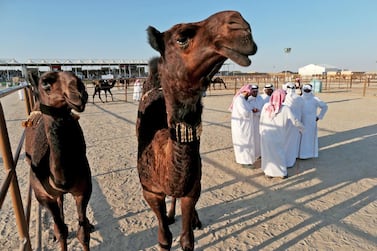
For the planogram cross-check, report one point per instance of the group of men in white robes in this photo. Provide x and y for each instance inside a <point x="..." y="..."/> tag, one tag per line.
<point x="279" y="133"/>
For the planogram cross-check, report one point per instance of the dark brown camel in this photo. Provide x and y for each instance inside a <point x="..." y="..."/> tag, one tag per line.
<point x="219" y="81"/>
<point x="56" y="151"/>
<point x="103" y="85"/>
<point x="169" y="118"/>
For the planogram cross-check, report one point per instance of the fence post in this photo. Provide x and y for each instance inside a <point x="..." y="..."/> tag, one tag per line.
<point x="9" y="165"/>
<point x="125" y="91"/>
<point x="235" y="85"/>
<point x="365" y="87"/>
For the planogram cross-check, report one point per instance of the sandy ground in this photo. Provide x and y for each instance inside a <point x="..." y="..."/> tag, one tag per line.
<point x="327" y="203"/>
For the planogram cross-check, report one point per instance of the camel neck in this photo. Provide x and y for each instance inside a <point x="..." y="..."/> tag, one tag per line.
<point x="53" y="111"/>
<point x="184" y="121"/>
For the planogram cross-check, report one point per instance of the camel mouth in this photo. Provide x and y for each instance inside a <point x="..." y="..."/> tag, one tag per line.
<point x="240" y="58"/>
<point x="77" y="106"/>
<point x="80" y="107"/>
<point x="78" y="102"/>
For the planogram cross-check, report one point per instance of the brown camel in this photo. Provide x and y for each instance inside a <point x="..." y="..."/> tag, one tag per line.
<point x="169" y="118"/>
<point x="103" y="85"/>
<point x="219" y="81"/>
<point x="56" y="151"/>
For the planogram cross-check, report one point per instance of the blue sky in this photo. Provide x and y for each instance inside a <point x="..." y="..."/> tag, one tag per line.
<point x="340" y="33"/>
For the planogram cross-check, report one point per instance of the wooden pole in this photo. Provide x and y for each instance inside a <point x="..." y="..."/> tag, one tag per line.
<point x="6" y="152"/>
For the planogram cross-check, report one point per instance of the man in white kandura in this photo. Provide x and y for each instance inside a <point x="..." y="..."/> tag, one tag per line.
<point x="309" y="138"/>
<point x="137" y="90"/>
<point x="275" y="121"/>
<point x="267" y="91"/>
<point x="256" y="104"/>
<point x="295" y="103"/>
<point x="241" y="127"/>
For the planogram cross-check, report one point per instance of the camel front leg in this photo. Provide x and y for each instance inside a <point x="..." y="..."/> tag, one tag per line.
<point x="99" y="95"/>
<point x="171" y="212"/>
<point x="158" y="205"/>
<point x="60" y="228"/>
<point x="85" y="228"/>
<point x="94" y="94"/>
<point x="188" y="214"/>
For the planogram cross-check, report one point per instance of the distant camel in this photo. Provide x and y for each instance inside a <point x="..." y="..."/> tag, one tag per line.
<point x="169" y="122"/>
<point x="103" y="85"/>
<point x="56" y="151"/>
<point x="219" y="81"/>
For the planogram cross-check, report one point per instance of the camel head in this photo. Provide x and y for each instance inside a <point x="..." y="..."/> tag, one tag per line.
<point x="196" y="51"/>
<point x="61" y="90"/>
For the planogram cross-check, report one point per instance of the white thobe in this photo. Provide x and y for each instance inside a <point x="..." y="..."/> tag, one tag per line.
<point x="137" y="91"/>
<point x="295" y="103"/>
<point x="273" y="139"/>
<point x="309" y="137"/>
<point x="265" y="98"/>
<point x="256" y="103"/>
<point x="241" y="126"/>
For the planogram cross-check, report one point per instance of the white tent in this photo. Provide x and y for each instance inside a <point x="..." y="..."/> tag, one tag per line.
<point x="313" y="69"/>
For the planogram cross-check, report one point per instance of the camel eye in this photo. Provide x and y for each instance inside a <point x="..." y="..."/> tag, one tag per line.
<point x="46" y="86"/>
<point x="183" y="42"/>
<point x="185" y="36"/>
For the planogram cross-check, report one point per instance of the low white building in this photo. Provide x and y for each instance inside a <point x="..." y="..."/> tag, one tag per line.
<point x="314" y="69"/>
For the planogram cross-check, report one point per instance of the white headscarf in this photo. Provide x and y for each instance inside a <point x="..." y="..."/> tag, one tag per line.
<point x="306" y="95"/>
<point x="275" y="103"/>
<point x="244" y="89"/>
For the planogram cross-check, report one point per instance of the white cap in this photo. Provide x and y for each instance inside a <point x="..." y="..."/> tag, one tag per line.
<point x="269" y="86"/>
<point x="290" y="85"/>
<point x="307" y="87"/>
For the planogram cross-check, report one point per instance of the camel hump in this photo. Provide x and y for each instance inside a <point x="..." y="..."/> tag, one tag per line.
<point x="151" y="116"/>
<point x="149" y="98"/>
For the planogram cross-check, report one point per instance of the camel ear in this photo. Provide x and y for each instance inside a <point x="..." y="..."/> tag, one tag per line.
<point x="155" y="39"/>
<point x="48" y="79"/>
<point x="33" y="77"/>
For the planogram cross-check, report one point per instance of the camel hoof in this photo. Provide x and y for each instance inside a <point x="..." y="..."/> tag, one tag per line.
<point x="170" y="220"/>
<point x="187" y="249"/>
<point x="60" y="234"/>
<point x="197" y="225"/>
<point x="164" y="246"/>
<point x="91" y="228"/>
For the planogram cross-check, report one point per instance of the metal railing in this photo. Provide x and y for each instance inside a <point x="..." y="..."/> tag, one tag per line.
<point x="10" y="183"/>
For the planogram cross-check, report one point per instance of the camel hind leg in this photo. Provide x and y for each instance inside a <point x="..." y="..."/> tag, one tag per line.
<point x="158" y="205"/>
<point x="94" y="94"/>
<point x="112" y="99"/>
